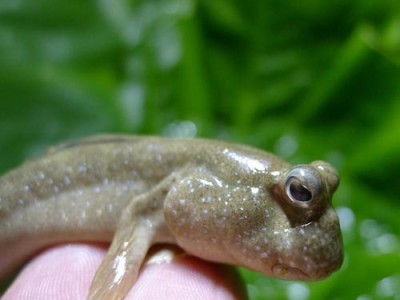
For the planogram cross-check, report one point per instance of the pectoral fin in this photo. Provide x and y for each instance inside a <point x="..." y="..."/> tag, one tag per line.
<point x="142" y="224"/>
<point x="120" y="267"/>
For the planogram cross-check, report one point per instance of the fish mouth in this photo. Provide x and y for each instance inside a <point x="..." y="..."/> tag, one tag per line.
<point x="286" y="272"/>
<point x="291" y="273"/>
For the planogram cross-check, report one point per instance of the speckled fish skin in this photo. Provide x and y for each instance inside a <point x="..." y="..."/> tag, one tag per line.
<point x="218" y="201"/>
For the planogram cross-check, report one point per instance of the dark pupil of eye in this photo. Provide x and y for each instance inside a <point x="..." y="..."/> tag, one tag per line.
<point x="299" y="192"/>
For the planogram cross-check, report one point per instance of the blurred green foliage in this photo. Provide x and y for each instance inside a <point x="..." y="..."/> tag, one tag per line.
<point x="307" y="80"/>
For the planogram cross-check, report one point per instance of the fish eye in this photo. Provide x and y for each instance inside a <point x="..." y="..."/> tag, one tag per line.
<point x="302" y="185"/>
<point x="299" y="192"/>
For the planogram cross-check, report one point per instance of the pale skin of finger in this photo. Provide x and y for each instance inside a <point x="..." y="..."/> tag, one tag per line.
<point x="66" y="271"/>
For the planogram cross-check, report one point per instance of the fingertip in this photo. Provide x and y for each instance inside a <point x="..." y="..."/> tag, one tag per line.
<point x="66" y="272"/>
